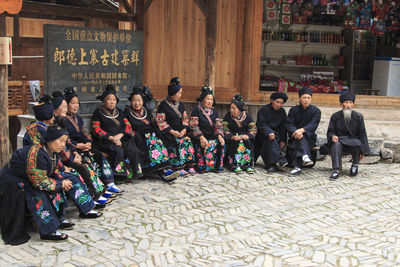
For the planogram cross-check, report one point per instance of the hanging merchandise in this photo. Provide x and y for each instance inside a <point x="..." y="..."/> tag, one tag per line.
<point x="308" y="9"/>
<point x="350" y="18"/>
<point x="346" y="2"/>
<point x="286" y="15"/>
<point x="365" y="13"/>
<point x="380" y="9"/>
<point x="272" y="12"/>
<point x="298" y="18"/>
<point x="393" y="18"/>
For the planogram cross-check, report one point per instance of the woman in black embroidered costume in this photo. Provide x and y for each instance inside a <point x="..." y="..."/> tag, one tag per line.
<point x="148" y="137"/>
<point x="239" y="133"/>
<point x="36" y="169"/>
<point x="112" y="133"/>
<point x="173" y="120"/>
<point x="208" y="133"/>
<point x="79" y="165"/>
<point x="82" y="141"/>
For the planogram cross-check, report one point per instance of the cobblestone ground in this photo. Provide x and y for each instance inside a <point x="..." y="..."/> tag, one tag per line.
<point x="230" y="220"/>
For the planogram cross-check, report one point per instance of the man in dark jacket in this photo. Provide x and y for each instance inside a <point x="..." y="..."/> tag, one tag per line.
<point x="346" y="133"/>
<point x="271" y="135"/>
<point x="301" y="124"/>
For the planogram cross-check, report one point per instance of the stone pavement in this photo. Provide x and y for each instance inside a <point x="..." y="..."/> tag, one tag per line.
<point x="230" y="220"/>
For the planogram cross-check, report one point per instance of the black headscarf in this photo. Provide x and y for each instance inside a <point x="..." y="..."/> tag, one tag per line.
<point x="277" y="95"/>
<point x="205" y="91"/>
<point x="238" y="101"/>
<point x="305" y="90"/>
<point x="57" y="99"/>
<point x="174" y="86"/>
<point x="44" y="110"/>
<point x="148" y="99"/>
<point x="54" y="132"/>
<point x="69" y="93"/>
<point x="347" y="96"/>
<point x="110" y="89"/>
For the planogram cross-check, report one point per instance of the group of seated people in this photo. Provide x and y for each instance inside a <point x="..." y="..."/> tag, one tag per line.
<point x="60" y="159"/>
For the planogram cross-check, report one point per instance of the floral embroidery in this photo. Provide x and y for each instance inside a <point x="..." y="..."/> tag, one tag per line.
<point x="194" y="125"/>
<point x="161" y="121"/>
<point x="183" y="154"/>
<point x="185" y="119"/>
<point x="97" y="129"/>
<point x="41" y="212"/>
<point x="242" y="156"/>
<point x="252" y="128"/>
<point x="128" y="127"/>
<point x="157" y="153"/>
<point x="211" y="158"/>
<point x="218" y="128"/>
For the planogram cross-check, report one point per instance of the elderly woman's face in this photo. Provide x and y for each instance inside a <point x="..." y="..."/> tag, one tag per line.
<point x="137" y="102"/>
<point x="235" y="112"/>
<point x="177" y="96"/>
<point x="62" y="109"/>
<point x="208" y="101"/>
<point x="73" y="105"/>
<point x="110" y="102"/>
<point x="58" y="145"/>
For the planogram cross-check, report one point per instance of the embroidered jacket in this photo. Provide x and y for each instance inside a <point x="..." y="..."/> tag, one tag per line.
<point x="168" y="119"/>
<point x="200" y="125"/>
<point x="103" y="127"/>
<point x="246" y="127"/>
<point x="33" y="164"/>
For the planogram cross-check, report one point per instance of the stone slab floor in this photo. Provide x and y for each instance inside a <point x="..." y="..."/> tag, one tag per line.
<point x="230" y="220"/>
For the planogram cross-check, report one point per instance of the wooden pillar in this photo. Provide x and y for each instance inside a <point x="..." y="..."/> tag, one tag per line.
<point x="4" y="131"/>
<point x="251" y="48"/>
<point x="211" y="43"/>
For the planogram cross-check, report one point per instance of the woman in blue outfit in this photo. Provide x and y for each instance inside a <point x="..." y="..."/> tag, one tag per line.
<point x="148" y="137"/>
<point x="207" y="133"/>
<point x="82" y="141"/>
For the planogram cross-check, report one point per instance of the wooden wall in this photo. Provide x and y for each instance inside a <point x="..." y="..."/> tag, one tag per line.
<point x="175" y="46"/>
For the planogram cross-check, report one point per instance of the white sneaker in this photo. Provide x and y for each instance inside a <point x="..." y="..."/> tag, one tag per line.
<point x="295" y="171"/>
<point x="307" y="161"/>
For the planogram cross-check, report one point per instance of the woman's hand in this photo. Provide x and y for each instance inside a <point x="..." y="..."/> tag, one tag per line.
<point x="78" y="158"/>
<point x="203" y="142"/>
<point x="245" y="137"/>
<point x="88" y="146"/>
<point x="119" y="136"/>
<point x="81" y="146"/>
<point x="118" y="142"/>
<point x="221" y="140"/>
<point x="236" y="138"/>
<point x="176" y="134"/>
<point x="182" y="133"/>
<point x="66" y="185"/>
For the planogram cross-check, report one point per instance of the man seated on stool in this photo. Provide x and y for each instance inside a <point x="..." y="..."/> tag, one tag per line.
<point x="346" y="133"/>
<point x="301" y="124"/>
<point x="271" y="135"/>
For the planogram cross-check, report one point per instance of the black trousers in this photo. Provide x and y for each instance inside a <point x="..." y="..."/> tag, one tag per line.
<point x="299" y="148"/>
<point x="269" y="150"/>
<point x="337" y="150"/>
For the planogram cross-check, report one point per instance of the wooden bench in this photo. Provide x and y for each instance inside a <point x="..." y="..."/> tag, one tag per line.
<point x="370" y="91"/>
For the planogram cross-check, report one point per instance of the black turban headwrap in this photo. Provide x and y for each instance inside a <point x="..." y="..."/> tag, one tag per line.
<point x="148" y="100"/>
<point x="57" y="99"/>
<point x="44" y="110"/>
<point x="238" y="101"/>
<point x="305" y="90"/>
<point x="69" y="93"/>
<point x="110" y="89"/>
<point x="174" y="86"/>
<point x="276" y="95"/>
<point x="347" y="96"/>
<point x="205" y="91"/>
<point x="54" y="132"/>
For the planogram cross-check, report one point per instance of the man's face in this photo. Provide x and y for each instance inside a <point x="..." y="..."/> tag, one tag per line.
<point x="277" y="104"/>
<point x="305" y="100"/>
<point x="347" y="104"/>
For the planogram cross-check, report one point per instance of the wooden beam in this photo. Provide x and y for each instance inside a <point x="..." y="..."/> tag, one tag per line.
<point x="211" y="43"/>
<point x="140" y="15"/>
<point x="46" y="9"/>
<point x="251" y="48"/>
<point x="4" y="129"/>
<point x="203" y="7"/>
<point x="146" y="5"/>
<point x="125" y="4"/>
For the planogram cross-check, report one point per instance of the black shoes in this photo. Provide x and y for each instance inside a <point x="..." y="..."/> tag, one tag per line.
<point x="56" y="236"/>
<point x="66" y="225"/>
<point x="354" y="170"/>
<point x="91" y="215"/>
<point x="282" y="163"/>
<point x="272" y="169"/>
<point x="334" y="175"/>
